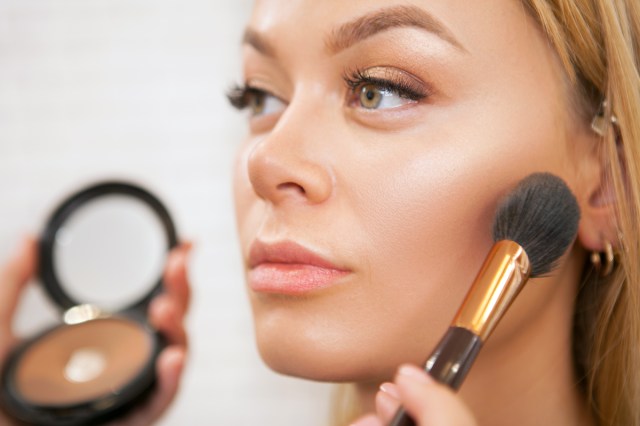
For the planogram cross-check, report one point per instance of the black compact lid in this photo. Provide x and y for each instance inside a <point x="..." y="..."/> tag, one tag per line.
<point x="50" y="272"/>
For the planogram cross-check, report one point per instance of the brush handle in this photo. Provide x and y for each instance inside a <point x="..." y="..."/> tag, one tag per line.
<point x="449" y="364"/>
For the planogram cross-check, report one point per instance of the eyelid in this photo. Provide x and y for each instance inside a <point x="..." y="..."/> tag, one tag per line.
<point x="391" y="78"/>
<point x="260" y="86"/>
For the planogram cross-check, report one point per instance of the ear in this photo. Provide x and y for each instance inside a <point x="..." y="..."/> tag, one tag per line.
<point x="597" y="202"/>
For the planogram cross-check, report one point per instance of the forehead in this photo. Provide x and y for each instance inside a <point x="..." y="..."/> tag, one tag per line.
<point x="311" y="21"/>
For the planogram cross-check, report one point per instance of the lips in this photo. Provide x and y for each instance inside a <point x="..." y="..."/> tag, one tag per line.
<point x="290" y="269"/>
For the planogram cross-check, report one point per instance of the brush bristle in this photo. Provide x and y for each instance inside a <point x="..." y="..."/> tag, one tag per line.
<point x="541" y="214"/>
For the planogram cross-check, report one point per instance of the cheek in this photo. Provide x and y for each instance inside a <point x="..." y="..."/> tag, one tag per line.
<point x="425" y="213"/>
<point x="427" y="230"/>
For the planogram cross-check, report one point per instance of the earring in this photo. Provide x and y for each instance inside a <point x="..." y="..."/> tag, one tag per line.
<point x="609" y="260"/>
<point x="601" y="122"/>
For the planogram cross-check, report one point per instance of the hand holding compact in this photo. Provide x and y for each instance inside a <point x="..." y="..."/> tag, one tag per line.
<point x="166" y="314"/>
<point x="109" y="259"/>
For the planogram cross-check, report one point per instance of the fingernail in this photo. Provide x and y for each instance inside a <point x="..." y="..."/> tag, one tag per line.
<point x="187" y="246"/>
<point x="185" y="253"/>
<point x="162" y="307"/>
<point x="369" y="420"/>
<point x="175" y="258"/>
<point x="414" y="373"/>
<point x="174" y="357"/>
<point x="390" y="389"/>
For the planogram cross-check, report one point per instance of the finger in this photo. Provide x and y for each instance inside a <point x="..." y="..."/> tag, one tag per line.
<point x="169" y="371"/>
<point x="428" y="402"/>
<point x="176" y="280"/>
<point x="13" y="278"/>
<point x="167" y="318"/>
<point x="370" y="420"/>
<point x="387" y="402"/>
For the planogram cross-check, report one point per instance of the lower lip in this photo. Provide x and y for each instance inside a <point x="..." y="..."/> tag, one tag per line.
<point x="292" y="279"/>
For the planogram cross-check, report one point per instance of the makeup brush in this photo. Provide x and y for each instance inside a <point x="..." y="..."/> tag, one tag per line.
<point x="533" y="227"/>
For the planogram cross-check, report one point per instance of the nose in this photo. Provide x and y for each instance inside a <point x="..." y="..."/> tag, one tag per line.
<point x="290" y="163"/>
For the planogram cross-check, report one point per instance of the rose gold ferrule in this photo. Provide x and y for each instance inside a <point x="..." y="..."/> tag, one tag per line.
<point x="502" y="276"/>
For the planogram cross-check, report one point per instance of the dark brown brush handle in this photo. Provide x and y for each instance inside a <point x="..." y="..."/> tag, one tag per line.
<point x="448" y="364"/>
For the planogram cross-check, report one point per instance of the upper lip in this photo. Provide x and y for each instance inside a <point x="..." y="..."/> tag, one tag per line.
<point x="287" y="252"/>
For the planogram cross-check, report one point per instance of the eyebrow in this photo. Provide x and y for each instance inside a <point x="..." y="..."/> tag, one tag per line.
<point x="259" y="42"/>
<point x="350" y="33"/>
<point x="373" y="23"/>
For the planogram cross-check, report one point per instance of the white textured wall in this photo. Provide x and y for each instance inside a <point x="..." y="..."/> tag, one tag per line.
<point x="91" y="89"/>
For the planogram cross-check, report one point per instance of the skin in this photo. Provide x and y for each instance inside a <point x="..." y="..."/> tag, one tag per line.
<point x="403" y="199"/>
<point x="166" y="313"/>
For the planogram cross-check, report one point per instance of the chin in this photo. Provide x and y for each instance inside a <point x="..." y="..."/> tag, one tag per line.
<point x="306" y="361"/>
<point x="325" y="355"/>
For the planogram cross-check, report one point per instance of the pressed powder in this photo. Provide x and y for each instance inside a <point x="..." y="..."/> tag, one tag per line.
<point x="79" y="363"/>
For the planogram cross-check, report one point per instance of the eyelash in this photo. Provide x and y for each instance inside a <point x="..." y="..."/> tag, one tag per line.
<point x="239" y="96"/>
<point x="357" y="78"/>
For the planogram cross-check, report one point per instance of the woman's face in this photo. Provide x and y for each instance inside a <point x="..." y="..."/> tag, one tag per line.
<point x="381" y="137"/>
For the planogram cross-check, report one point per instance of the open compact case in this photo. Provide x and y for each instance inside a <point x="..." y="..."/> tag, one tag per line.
<point x="102" y="256"/>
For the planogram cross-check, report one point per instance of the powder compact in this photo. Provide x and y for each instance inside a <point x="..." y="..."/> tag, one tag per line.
<point x="102" y="255"/>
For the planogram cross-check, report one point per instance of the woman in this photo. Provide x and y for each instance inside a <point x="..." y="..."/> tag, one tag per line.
<point x="382" y="135"/>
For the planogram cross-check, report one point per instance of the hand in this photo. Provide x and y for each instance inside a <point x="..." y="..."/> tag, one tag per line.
<point x="166" y="313"/>
<point x="429" y="403"/>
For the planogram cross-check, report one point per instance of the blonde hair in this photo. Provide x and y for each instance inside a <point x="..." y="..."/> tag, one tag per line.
<point x="345" y="406"/>
<point x="598" y="43"/>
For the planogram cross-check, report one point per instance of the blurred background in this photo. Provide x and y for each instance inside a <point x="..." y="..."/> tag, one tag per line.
<point x="134" y="89"/>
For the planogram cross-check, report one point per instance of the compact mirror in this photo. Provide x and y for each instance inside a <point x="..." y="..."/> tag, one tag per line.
<point x="102" y="256"/>
<point x="110" y="251"/>
<point x="107" y="247"/>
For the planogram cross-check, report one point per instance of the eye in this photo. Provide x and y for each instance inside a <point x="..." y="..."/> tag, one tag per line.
<point x="371" y="96"/>
<point x="383" y="88"/>
<point x="263" y="103"/>
<point x="259" y="102"/>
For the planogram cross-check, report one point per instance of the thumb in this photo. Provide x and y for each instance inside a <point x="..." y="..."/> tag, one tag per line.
<point x="13" y="278"/>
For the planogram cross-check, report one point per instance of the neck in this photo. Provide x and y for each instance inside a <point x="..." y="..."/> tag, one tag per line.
<point x="525" y="385"/>
<point x="365" y="396"/>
